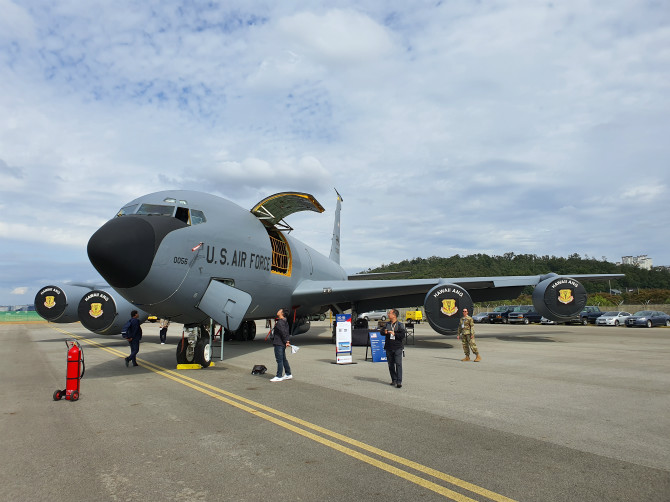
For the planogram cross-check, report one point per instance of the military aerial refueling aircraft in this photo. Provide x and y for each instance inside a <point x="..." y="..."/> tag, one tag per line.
<point x="189" y="256"/>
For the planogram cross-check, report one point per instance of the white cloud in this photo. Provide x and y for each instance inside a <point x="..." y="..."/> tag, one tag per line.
<point x="20" y="290"/>
<point x="469" y="123"/>
<point x="15" y="23"/>
<point x="341" y="38"/>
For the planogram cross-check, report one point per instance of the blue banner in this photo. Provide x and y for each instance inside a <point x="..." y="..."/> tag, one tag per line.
<point x="377" y="347"/>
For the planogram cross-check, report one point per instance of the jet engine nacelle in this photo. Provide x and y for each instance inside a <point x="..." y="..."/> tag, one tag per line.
<point x="101" y="312"/>
<point x="559" y="298"/>
<point x="59" y="303"/>
<point x="444" y="306"/>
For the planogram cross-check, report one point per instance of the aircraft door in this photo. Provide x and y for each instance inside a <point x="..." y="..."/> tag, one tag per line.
<point x="225" y="304"/>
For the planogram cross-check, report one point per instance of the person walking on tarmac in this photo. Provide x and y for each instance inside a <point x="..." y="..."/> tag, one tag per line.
<point x="394" y="332"/>
<point x="281" y="343"/>
<point x="134" y="335"/>
<point x="163" y="332"/>
<point x="466" y="332"/>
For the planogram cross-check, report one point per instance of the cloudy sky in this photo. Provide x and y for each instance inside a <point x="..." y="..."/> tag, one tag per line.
<point x="447" y="126"/>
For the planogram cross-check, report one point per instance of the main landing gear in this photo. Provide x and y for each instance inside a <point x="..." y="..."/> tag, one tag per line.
<point x="246" y="332"/>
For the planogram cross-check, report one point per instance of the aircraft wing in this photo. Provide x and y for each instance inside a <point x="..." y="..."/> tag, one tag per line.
<point x="371" y="294"/>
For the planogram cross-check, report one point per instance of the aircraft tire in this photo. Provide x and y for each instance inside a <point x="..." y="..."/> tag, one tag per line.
<point x="242" y="332"/>
<point x="203" y="353"/>
<point x="252" y="330"/>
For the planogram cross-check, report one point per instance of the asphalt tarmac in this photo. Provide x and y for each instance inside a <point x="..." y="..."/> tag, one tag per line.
<point x="551" y="413"/>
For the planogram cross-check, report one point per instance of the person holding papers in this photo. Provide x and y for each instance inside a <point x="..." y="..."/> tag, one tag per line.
<point x="280" y="341"/>
<point x="395" y="333"/>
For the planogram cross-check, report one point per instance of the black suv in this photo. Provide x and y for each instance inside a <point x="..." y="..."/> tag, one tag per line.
<point x="500" y="313"/>
<point x="525" y="314"/>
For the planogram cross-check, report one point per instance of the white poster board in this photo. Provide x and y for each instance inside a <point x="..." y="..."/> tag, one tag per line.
<point x="343" y="348"/>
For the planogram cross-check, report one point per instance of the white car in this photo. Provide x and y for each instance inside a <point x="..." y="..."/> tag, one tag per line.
<point x="544" y="320"/>
<point x="374" y="315"/>
<point x="612" y="318"/>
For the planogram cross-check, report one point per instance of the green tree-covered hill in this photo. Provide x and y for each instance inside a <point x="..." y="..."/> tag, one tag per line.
<point x="635" y="280"/>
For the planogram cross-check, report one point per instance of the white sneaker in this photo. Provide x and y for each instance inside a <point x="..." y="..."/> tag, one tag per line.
<point x="287" y="377"/>
<point x="162" y="343"/>
<point x="276" y="379"/>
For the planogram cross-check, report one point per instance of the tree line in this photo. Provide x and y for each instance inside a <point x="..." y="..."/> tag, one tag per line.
<point x="637" y="286"/>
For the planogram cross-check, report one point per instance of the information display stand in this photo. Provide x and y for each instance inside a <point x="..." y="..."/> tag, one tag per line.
<point x="343" y="348"/>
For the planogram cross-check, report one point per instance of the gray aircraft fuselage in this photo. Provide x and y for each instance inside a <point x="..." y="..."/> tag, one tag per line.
<point x="163" y="265"/>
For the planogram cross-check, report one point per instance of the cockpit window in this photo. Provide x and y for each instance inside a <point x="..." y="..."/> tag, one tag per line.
<point x="182" y="214"/>
<point x="188" y="216"/>
<point x="127" y="210"/>
<point x="156" y="209"/>
<point x="197" y="217"/>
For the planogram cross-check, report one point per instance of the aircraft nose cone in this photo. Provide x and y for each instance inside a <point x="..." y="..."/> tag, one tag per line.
<point x="122" y="250"/>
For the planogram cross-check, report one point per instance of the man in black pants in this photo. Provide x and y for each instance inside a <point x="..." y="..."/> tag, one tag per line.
<point x="395" y="333"/>
<point x="134" y="335"/>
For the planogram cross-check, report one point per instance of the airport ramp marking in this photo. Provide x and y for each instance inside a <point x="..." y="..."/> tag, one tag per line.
<point x="255" y="408"/>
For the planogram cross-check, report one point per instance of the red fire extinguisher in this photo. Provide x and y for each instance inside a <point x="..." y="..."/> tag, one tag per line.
<point x="74" y="372"/>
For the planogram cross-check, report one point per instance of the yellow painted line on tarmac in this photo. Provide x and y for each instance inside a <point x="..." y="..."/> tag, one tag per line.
<point x="253" y="408"/>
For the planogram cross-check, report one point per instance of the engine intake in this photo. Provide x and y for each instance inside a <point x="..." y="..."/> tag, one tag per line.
<point x="104" y="314"/>
<point x="444" y="306"/>
<point x="559" y="298"/>
<point x="59" y="303"/>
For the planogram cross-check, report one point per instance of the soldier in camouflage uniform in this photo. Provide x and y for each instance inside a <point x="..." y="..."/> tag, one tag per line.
<point x="466" y="332"/>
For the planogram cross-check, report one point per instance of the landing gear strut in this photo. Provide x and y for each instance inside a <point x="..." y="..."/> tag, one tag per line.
<point x="195" y="346"/>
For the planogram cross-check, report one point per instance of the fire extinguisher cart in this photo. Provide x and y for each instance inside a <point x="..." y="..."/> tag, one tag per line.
<point x="74" y="372"/>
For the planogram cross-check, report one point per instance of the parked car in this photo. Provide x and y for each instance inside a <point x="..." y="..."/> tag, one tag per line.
<point x="648" y="318"/>
<point x="500" y="313"/>
<point x="525" y="314"/>
<point x="544" y="320"/>
<point x="612" y="318"/>
<point x="317" y="317"/>
<point x="482" y="317"/>
<point x="373" y="315"/>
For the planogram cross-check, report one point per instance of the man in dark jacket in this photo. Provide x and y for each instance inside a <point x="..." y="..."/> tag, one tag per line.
<point x="281" y="343"/>
<point x="134" y="335"/>
<point x="394" y="333"/>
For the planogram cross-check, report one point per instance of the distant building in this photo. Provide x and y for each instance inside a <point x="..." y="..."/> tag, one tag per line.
<point x="642" y="261"/>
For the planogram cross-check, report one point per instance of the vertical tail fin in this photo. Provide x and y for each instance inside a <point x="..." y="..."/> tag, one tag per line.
<point x="335" y="246"/>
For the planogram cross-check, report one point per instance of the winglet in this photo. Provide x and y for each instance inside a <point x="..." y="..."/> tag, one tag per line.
<point x="335" y="246"/>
